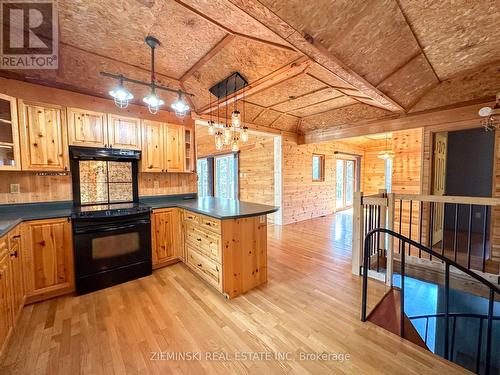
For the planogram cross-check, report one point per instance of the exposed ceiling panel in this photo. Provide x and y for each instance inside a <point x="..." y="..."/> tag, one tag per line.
<point x="456" y="36"/>
<point x="266" y="117"/>
<point x="118" y="30"/>
<point x="410" y="82"/>
<point x="338" y="102"/>
<point x="326" y="76"/>
<point x="286" y="123"/>
<point x="320" y="95"/>
<point x="342" y="116"/>
<point x="371" y="37"/>
<point x="252" y="59"/>
<point x="296" y="86"/>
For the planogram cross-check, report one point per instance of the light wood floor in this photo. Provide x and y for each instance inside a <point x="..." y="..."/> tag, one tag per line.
<point x="310" y="304"/>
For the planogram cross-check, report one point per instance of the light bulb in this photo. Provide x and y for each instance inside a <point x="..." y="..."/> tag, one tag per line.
<point x="121" y="96"/>
<point x="179" y="106"/>
<point x="244" y="135"/>
<point x="236" y="119"/>
<point x="153" y="102"/>
<point x="235" y="147"/>
<point x="211" y="128"/>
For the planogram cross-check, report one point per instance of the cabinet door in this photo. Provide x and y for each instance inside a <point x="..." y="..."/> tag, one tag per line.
<point x="6" y="314"/>
<point x="175" y="148"/>
<point x="165" y="231"/>
<point x="124" y="132"/>
<point x="17" y="270"/>
<point x="10" y="157"/>
<point x="87" y="128"/>
<point x="153" y="149"/>
<point x="43" y="138"/>
<point x="189" y="150"/>
<point x="48" y="258"/>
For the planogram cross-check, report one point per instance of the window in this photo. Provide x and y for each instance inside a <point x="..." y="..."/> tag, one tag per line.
<point x="218" y="176"/>
<point x="344" y="183"/>
<point x="318" y="168"/>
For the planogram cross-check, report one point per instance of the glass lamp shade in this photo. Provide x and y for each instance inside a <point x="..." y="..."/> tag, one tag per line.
<point x="236" y="119"/>
<point x="235" y="147"/>
<point x="153" y="102"/>
<point x="211" y="128"/>
<point x="121" y="96"/>
<point x="244" y="135"/>
<point x="180" y="107"/>
<point x="219" y="142"/>
<point x="227" y="133"/>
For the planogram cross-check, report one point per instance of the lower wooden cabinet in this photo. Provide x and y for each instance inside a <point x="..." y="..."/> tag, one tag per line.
<point x="166" y="234"/>
<point x="47" y="258"/>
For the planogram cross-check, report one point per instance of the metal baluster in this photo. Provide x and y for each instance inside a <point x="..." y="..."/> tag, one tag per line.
<point x="485" y="229"/>
<point x="400" y="216"/>
<point x="455" y="234"/>
<point x="378" y="239"/>
<point x="409" y="230"/>
<point x="431" y="227"/>
<point x="469" y="238"/>
<point x="453" y="337"/>
<point x="446" y="308"/>
<point x="366" y="249"/>
<point x="402" y="312"/>
<point x="442" y="239"/>
<point x="489" y="331"/>
<point x="479" y="344"/>
<point x="369" y="228"/>
<point x="426" y="328"/>
<point x="420" y="227"/>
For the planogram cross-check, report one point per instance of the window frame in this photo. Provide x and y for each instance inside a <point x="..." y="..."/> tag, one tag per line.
<point x="212" y="175"/>
<point x="321" y="168"/>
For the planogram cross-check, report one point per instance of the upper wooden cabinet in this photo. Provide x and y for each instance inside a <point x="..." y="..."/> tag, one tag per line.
<point x="153" y="147"/>
<point x="10" y="158"/>
<point x="124" y="132"/>
<point x="44" y="144"/>
<point x="189" y="151"/>
<point x="87" y="128"/>
<point x="48" y="258"/>
<point x="175" y="148"/>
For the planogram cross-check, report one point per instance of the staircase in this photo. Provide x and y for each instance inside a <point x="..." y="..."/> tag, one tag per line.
<point x="457" y="320"/>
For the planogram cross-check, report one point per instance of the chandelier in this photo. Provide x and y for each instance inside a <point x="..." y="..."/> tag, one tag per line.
<point x="122" y="96"/>
<point x="491" y="116"/>
<point x="229" y="130"/>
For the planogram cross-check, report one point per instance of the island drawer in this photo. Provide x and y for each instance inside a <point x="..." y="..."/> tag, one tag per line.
<point x="191" y="217"/>
<point x="15" y="237"/>
<point x="210" y="223"/>
<point x="205" y="241"/>
<point x="206" y="268"/>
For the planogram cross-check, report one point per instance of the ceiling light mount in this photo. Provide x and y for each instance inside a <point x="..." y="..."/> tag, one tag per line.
<point x="122" y="96"/>
<point x="491" y="116"/>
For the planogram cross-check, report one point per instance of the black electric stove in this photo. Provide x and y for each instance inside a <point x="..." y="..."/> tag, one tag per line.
<point x="98" y="211"/>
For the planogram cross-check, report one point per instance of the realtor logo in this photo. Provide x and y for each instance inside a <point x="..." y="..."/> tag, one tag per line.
<point x="29" y="35"/>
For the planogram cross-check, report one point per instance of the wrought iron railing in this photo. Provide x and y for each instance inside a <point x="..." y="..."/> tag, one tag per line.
<point x="492" y="289"/>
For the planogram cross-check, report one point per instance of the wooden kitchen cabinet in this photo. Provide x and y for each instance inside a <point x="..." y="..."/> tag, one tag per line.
<point x="124" y="132"/>
<point x="166" y="236"/>
<point x="189" y="151"/>
<point x="47" y="258"/>
<point x="10" y="156"/>
<point x="16" y="266"/>
<point x="44" y="144"/>
<point x="6" y="312"/>
<point x="153" y="148"/>
<point x="87" y="128"/>
<point x="175" y="148"/>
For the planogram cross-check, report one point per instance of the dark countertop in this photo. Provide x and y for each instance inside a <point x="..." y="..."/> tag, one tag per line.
<point x="13" y="214"/>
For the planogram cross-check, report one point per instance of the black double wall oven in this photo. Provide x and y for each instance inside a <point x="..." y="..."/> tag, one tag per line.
<point x="111" y="229"/>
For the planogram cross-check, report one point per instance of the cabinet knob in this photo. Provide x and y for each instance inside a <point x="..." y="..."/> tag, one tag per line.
<point x="14" y="254"/>
<point x="199" y="239"/>
<point x="200" y="265"/>
<point x="17" y="236"/>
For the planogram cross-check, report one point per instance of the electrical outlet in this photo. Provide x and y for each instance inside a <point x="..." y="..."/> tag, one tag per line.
<point x="15" y="188"/>
<point x="156" y="184"/>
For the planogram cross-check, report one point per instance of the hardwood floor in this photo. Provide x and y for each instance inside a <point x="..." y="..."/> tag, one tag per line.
<point x="310" y="304"/>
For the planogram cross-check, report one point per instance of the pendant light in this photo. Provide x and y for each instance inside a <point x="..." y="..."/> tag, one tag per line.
<point x="211" y="125"/>
<point x="179" y="106"/>
<point x="219" y="142"/>
<point x="121" y="95"/>
<point x="386" y="154"/>
<point x="244" y="134"/>
<point x="235" y="147"/>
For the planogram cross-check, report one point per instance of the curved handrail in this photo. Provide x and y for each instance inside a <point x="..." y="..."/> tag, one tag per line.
<point x="429" y="251"/>
<point x="451" y="315"/>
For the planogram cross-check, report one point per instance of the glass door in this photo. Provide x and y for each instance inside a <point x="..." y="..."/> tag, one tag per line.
<point x="344" y="184"/>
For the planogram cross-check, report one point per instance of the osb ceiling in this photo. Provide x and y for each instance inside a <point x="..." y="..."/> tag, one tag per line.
<point x="310" y="65"/>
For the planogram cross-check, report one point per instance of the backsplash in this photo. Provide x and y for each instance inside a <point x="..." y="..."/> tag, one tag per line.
<point x="35" y="188"/>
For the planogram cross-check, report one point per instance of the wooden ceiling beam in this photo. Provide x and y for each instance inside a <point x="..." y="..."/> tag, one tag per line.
<point x="462" y="115"/>
<point x="229" y="31"/>
<point x="228" y="38"/>
<point x="287" y="72"/>
<point x="315" y="51"/>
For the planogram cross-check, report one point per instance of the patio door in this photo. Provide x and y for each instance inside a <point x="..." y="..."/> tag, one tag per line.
<point x="344" y="184"/>
<point x="218" y="176"/>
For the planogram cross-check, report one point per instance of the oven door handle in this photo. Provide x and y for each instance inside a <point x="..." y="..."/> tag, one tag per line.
<point x="110" y="229"/>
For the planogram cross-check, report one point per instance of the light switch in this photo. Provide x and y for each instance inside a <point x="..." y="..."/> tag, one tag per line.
<point x="15" y="188"/>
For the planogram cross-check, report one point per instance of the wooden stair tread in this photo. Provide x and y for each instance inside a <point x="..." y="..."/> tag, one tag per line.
<point x="387" y="315"/>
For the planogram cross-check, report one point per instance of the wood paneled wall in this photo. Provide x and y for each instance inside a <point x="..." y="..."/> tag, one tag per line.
<point x="58" y="188"/>
<point x="302" y="198"/>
